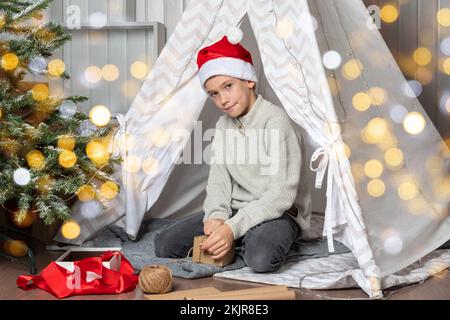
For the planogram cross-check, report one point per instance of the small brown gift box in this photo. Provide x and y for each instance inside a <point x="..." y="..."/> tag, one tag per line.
<point x="202" y="256"/>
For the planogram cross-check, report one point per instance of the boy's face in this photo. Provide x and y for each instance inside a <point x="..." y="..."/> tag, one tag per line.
<point x="231" y="95"/>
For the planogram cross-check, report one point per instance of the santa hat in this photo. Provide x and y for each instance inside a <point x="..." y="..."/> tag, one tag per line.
<point x="226" y="59"/>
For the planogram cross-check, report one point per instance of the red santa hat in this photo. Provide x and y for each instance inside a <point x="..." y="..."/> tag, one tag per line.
<point x="226" y="59"/>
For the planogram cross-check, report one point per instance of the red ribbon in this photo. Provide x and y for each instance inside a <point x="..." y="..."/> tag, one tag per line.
<point x="89" y="277"/>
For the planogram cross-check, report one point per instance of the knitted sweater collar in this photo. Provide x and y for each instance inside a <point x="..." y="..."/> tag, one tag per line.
<point x="248" y="120"/>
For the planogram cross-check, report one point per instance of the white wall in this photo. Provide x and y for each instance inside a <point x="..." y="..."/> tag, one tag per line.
<point x="121" y="47"/>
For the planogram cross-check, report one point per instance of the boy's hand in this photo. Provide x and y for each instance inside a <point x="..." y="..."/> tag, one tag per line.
<point x="212" y="224"/>
<point x="219" y="242"/>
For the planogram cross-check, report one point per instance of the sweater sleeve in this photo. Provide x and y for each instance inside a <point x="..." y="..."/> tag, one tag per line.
<point x="281" y="194"/>
<point x="217" y="204"/>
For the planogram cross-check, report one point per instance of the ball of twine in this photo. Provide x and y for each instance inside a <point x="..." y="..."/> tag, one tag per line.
<point x="155" y="279"/>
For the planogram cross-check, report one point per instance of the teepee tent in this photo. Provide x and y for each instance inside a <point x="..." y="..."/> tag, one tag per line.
<point x="327" y="65"/>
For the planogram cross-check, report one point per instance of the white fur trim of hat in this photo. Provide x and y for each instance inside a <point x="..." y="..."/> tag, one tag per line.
<point x="225" y="66"/>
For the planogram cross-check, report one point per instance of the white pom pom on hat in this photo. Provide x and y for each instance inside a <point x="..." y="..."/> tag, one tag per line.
<point x="235" y="35"/>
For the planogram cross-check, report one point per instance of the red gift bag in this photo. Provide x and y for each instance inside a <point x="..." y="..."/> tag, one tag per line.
<point x="90" y="276"/>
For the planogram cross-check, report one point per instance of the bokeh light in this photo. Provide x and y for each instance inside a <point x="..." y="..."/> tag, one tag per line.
<point x="332" y="59"/>
<point x="444" y="103"/>
<point x="378" y="96"/>
<point x="35" y="159"/>
<point x="424" y="75"/>
<point x="100" y="115"/>
<point x="307" y="23"/>
<point x="422" y="56"/>
<point x="160" y="137"/>
<point x="70" y="230"/>
<point x="9" y="61"/>
<point x="66" y="142"/>
<point x="21" y="176"/>
<point x="90" y="209"/>
<point x="97" y="152"/>
<point x="414" y="123"/>
<point x="361" y="101"/>
<point x="150" y="166"/>
<point x="376" y="129"/>
<point x="407" y="190"/>
<point x="110" y="72"/>
<point x="93" y="74"/>
<point x="393" y="244"/>
<point x="398" y="114"/>
<point x="86" y="193"/>
<point x="443" y="17"/>
<point x="445" y="46"/>
<point x="139" y="70"/>
<point x="446" y="66"/>
<point x="412" y="89"/>
<point x="67" y="109"/>
<point x="56" y="67"/>
<point x="15" y="248"/>
<point x="352" y="69"/>
<point x="393" y="157"/>
<point x="285" y="28"/>
<point x="132" y="164"/>
<point x="98" y="20"/>
<point x="376" y="188"/>
<point x="40" y="92"/>
<point x="125" y="142"/>
<point x="67" y="159"/>
<point x="373" y="169"/>
<point x="389" y="13"/>
<point x="109" y="190"/>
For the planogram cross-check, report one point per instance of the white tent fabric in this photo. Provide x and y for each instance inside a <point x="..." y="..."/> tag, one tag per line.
<point x="291" y="37"/>
<point x="327" y="273"/>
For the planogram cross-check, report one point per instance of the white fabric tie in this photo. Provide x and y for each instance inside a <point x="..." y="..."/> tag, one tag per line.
<point x="118" y="143"/>
<point x="333" y="215"/>
<point x="322" y="167"/>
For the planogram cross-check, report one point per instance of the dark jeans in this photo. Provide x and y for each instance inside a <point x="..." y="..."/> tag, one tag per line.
<point x="264" y="247"/>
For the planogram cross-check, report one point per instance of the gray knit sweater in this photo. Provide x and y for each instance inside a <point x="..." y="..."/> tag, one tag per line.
<point x="257" y="168"/>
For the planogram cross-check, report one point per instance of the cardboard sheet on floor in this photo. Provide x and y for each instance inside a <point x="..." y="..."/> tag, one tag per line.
<point x="181" y="295"/>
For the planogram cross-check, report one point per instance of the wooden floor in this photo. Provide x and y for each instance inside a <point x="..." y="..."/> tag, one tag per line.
<point x="437" y="287"/>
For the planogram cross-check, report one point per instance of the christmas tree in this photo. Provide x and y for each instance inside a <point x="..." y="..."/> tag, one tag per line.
<point x="50" y="153"/>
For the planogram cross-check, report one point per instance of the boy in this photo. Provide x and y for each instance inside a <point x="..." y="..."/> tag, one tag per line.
<point x="247" y="202"/>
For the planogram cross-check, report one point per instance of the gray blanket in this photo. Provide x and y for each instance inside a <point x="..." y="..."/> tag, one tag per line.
<point x="141" y="252"/>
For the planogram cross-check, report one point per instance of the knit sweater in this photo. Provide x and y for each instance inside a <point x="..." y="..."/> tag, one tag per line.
<point x="257" y="168"/>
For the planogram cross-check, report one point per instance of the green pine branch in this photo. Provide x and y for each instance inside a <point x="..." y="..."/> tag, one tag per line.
<point x="20" y="134"/>
<point x="29" y="8"/>
<point x="14" y="6"/>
